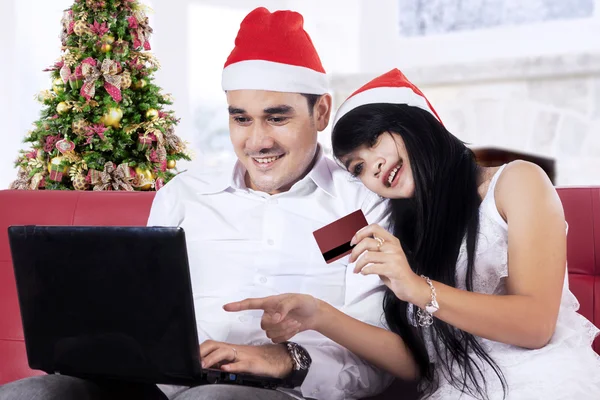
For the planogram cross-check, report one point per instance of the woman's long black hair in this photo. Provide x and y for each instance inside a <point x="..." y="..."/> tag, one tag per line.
<point x="431" y="227"/>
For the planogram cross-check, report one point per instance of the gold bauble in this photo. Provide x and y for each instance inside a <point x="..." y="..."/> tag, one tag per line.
<point x="39" y="154"/>
<point x="62" y="107"/>
<point x="152" y="114"/>
<point x="147" y="177"/>
<point x="112" y="117"/>
<point x="105" y="47"/>
<point x="45" y="95"/>
<point x="79" y="182"/>
<point x="108" y="39"/>
<point x="58" y="86"/>
<point x="140" y="84"/>
<point x="57" y="161"/>
<point x="171" y="164"/>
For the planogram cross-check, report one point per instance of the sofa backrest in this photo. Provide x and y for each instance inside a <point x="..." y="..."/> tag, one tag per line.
<point x="51" y="208"/>
<point x="582" y="211"/>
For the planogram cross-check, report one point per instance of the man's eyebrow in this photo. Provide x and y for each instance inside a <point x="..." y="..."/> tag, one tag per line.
<point x="234" y="110"/>
<point x="281" y="109"/>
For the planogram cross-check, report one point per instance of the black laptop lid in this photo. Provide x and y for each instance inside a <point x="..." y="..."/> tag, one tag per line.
<point x="106" y="301"/>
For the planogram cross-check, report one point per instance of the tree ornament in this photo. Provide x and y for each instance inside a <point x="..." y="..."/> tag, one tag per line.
<point x="62" y="107"/>
<point x="75" y="83"/>
<point x="105" y="47"/>
<point x="171" y="164"/>
<point x="56" y="170"/>
<point x="145" y="178"/>
<point x="152" y="114"/>
<point x="125" y="80"/>
<point x="45" y="95"/>
<point x="65" y="146"/>
<point x="79" y="126"/>
<point x="58" y="86"/>
<point x="40" y="154"/>
<point x="108" y="39"/>
<point x="140" y="84"/>
<point x="80" y="28"/>
<point x="112" y="117"/>
<point x="80" y="183"/>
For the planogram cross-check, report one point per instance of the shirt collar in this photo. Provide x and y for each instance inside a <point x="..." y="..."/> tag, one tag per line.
<point x="225" y="178"/>
<point x="321" y="174"/>
<point x="233" y="177"/>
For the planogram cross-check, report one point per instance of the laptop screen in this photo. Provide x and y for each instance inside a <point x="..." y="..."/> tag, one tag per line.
<point x="106" y="301"/>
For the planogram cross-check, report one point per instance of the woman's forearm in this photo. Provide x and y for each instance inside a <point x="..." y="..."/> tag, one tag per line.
<point x="378" y="346"/>
<point x="513" y="319"/>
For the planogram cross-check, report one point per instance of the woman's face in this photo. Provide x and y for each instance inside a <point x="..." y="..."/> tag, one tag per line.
<point x="383" y="168"/>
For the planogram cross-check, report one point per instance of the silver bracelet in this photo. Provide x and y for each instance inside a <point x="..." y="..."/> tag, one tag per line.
<point x="425" y="317"/>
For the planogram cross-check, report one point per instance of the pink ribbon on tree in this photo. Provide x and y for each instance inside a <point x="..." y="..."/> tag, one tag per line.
<point x="112" y="80"/>
<point x="140" y="30"/>
<point x="90" y="74"/>
<point x="109" y="70"/>
<point x="92" y="130"/>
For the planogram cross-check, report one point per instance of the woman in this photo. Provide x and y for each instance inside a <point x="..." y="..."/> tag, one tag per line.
<point x="478" y="299"/>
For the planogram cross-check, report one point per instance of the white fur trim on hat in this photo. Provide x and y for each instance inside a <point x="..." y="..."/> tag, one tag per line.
<point x="393" y="95"/>
<point x="277" y="77"/>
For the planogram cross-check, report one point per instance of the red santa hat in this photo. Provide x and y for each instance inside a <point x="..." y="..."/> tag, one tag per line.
<point x="392" y="87"/>
<point x="274" y="52"/>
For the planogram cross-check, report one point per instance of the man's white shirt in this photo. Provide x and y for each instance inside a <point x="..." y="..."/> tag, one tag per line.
<point x="244" y="243"/>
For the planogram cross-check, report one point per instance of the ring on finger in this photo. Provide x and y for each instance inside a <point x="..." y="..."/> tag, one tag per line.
<point x="234" y="354"/>
<point x="379" y="242"/>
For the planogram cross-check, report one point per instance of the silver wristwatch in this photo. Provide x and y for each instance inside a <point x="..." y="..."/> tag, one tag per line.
<point x="301" y="363"/>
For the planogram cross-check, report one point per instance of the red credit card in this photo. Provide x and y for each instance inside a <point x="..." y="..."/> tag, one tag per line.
<point x="334" y="239"/>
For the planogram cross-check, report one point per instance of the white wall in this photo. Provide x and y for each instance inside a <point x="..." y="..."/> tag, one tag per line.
<point x="31" y="40"/>
<point x="383" y="48"/>
<point x="9" y="134"/>
<point x="532" y="88"/>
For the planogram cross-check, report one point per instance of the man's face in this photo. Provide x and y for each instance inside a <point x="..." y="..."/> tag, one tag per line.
<point x="274" y="135"/>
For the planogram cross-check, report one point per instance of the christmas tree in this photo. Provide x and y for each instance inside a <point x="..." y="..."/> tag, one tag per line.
<point x="102" y="126"/>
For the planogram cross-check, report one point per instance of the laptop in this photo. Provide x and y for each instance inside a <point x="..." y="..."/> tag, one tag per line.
<point x="111" y="302"/>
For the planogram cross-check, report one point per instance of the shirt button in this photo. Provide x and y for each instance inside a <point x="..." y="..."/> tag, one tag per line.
<point x="273" y="201"/>
<point x="263" y="280"/>
<point x="270" y="242"/>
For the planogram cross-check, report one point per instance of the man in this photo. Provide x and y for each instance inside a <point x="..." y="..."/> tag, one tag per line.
<point x="249" y="226"/>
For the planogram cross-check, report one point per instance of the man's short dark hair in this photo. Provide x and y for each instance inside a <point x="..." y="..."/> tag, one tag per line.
<point x="312" y="100"/>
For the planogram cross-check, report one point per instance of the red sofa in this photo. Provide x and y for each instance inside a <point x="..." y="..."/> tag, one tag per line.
<point x="582" y="208"/>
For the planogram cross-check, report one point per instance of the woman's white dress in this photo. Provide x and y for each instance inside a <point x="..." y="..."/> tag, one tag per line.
<point x="566" y="368"/>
